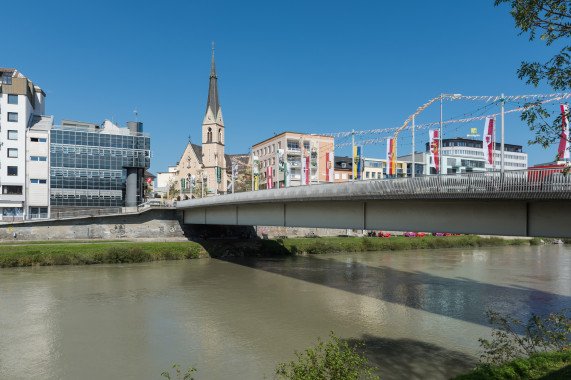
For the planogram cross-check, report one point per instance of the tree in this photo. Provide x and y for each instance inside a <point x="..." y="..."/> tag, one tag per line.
<point x="550" y="19"/>
<point x="332" y="360"/>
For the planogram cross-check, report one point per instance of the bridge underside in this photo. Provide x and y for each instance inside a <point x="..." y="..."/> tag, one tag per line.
<point x="493" y="217"/>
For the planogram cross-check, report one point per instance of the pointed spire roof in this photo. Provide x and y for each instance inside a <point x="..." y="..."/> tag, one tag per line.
<point x="213" y="103"/>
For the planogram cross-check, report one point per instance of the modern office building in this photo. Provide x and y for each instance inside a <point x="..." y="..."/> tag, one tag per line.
<point x="463" y="155"/>
<point x="96" y="165"/>
<point x="20" y="101"/>
<point x="46" y="168"/>
<point x="295" y="146"/>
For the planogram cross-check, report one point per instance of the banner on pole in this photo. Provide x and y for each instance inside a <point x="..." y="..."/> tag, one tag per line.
<point x="563" y="151"/>
<point x="357" y="159"/>
<point x="391" y="164"/>
<point x="434" y="149"/>
<point x="269" y="177"/>
<point x="329" y="170"/>
<point x="218" y="174"/>
<point x="488" y="140"/>
<point x="306" y="170"/>
<point x="235" y="170"/>
<point x="255" y="172"/>
<point x="287" y="178"/>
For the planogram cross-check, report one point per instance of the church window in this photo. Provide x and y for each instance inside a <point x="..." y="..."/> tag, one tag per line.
<point x="220" y="135"/>
<point x="209" y="135"/>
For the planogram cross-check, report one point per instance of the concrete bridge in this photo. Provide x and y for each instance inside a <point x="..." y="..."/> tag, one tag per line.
<point x="517" y="203"/>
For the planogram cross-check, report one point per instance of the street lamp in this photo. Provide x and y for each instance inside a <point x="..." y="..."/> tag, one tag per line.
<point x="440" y="132"/>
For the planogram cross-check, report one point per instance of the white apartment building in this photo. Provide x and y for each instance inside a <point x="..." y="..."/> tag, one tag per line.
<point x="166" y="179"/>
<point x="20" y="102"/>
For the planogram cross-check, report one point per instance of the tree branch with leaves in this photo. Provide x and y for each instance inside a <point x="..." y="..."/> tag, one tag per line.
<point x="551" y="20"/>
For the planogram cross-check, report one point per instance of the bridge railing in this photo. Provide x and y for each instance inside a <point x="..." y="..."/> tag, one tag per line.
<point x="535" y="183"/>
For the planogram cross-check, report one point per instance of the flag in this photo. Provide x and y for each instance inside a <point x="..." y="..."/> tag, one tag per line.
<point x="563" y="151"/>
<point x="287" y="175"/>
<point x="391" y="164"/>
<point x="235" y="170"/>
<point x="306" y="170"/>
<point x="434" y="149"/>
<point x="488" y="140"/>
<point x="329" y="167"/>
<point x="357" y="159"/>
<point x="255" y="171"/>
<point x="270" y="177"/>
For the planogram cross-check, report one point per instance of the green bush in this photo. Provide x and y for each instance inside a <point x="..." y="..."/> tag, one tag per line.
<point x="328" y="360"/>
<point x="552" y="365"/>
<point x="541" y="334"/>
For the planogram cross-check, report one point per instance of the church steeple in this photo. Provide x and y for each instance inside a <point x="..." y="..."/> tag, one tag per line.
<point x="213" y="104"/>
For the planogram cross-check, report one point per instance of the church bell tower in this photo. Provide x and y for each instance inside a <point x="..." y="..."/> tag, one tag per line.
<point x="213" y="138"/>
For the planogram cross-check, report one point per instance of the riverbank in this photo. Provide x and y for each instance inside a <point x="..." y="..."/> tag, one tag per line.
<point x="546" y="366"/>
<point x="23" y="255"/>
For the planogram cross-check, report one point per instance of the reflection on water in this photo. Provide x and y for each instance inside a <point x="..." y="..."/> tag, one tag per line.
<point x="420" y="312"/>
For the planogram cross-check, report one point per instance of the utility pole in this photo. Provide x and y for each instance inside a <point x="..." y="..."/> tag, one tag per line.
<point x="413" y="147"/>
<point x="502" y="133"/>
<point x="441" y="158"/>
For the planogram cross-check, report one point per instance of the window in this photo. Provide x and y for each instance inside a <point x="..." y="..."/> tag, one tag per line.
<point x="13" y="116"/>
<point x="7" y="78"/>
<point x="12" y="170"/>
<point x="38" y="158"/>
<point x="35" y="180"/>
<point x="12" y="190"/>
<point x="12" y="135"/>
<point x="38" y="139"/>
<point x="336" y="175"/>
<point x="12" y="152"/>
<point x="12" y="99"/>
<point x="344" y="165"/>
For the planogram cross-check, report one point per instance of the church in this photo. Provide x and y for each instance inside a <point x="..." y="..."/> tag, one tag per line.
<point x="205" y="170"/>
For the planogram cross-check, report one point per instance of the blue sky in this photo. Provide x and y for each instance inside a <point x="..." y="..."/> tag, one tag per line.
<point x="304" y="66"/>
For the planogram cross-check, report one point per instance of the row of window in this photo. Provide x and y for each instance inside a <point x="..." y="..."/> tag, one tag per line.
<point x="11" y="190"/>
<point x="81" y="172"/>
<point x="268" y="149"/>
<point x="99" y="151"/>
<point x="13" y="153"/>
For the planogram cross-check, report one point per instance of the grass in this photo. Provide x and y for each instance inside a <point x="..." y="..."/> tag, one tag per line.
<point x="120" y="252"/>
<point x="545" y="366"/>
<point x="21" y="256"/>
<point x="341" y="244"/>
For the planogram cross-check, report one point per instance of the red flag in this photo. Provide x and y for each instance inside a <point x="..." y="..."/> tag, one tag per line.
<point x="563" y="151"/>
<point x="488" y="143"/>
<point x="434" y="149"/>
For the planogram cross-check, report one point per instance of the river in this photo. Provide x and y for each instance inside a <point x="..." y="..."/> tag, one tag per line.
<point x="420" y="313"/>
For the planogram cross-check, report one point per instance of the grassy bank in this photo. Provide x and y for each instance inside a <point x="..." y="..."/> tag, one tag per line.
<point x="114" y="252"/>
<point x="82" y="254"/>
<point x="330" y="245"/>
<point x="546" y="366"/>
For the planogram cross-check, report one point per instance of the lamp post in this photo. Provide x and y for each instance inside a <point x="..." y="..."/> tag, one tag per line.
<point x="440" y="132"/>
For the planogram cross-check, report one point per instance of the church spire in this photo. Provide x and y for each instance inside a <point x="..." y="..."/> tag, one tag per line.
<point x="213" y="103"/>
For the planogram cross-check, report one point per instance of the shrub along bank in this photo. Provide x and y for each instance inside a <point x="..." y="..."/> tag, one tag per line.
<point x="116" y="252"/>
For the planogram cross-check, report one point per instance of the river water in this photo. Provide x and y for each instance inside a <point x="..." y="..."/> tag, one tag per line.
<point x="420" y="313"/>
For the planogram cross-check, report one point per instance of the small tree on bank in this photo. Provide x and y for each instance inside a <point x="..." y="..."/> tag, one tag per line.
<point x="332" y="360"/>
